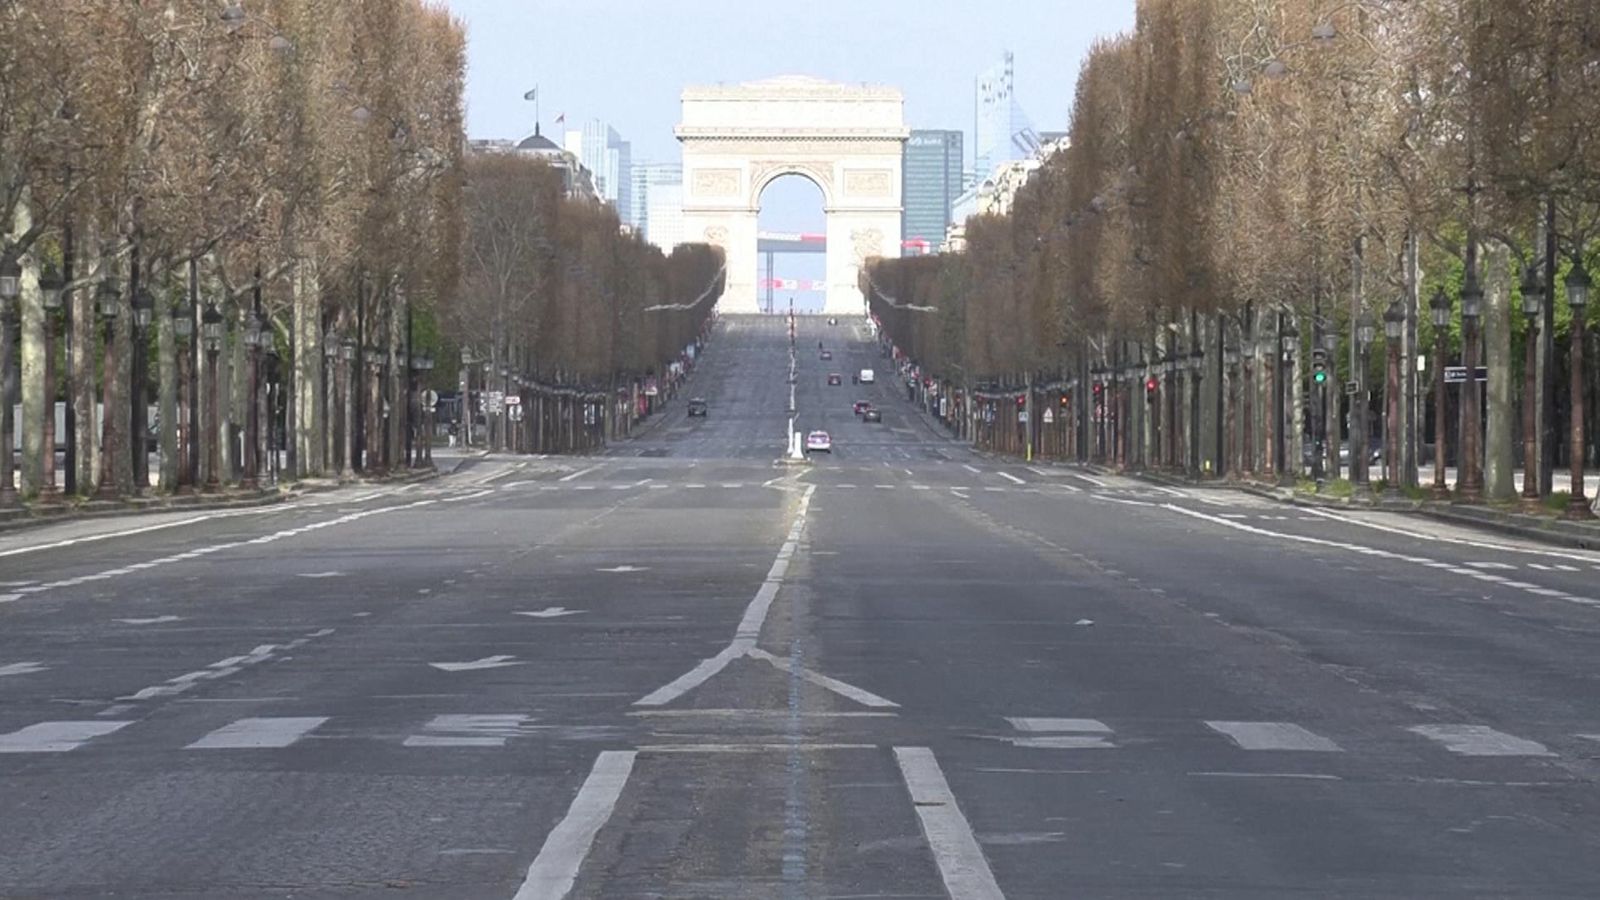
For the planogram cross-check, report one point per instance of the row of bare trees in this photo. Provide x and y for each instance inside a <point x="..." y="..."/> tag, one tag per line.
<point x="277" y="182"/>
<point x="585" y="325"/>
<point x="1261" y="192"/>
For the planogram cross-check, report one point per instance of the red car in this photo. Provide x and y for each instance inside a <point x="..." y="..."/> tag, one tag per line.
<point x="862" y="406"/>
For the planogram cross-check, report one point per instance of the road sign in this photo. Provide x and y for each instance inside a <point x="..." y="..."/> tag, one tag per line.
<point x="1352" y="388"/>
<point x="1458" y="374"/>
<point x="1049" y="415"/>
<point x="430" y="399"/>
<point x="513" y="400"/>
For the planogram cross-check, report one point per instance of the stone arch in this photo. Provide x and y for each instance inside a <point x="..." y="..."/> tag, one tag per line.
<point x="764" y="174"/>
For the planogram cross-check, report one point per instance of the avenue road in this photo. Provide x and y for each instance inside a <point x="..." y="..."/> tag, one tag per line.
<point x="685" y="669"/>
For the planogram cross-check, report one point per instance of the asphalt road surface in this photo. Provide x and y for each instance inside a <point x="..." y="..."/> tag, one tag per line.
<point x="683" y="669"/>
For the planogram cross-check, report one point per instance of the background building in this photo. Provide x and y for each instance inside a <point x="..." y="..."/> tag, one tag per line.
<point x="1001" y="130"/>
<point x="576" y="179"/>
<point x="931" y="181"/>
<point x="603" y="152"/>
<point x="657" y="201"/>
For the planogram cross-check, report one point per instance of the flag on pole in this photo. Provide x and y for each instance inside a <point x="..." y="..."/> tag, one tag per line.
<point x="531" y="95"/>
<point x="561" y="118"/>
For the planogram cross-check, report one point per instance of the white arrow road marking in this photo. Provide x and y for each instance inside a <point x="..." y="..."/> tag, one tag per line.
<point x="488" y="662"/>
<point x="22" y="668"/>
<point x="156" y="620"/>
<point x="625" y="569"/>
<point x="550" y="612"/>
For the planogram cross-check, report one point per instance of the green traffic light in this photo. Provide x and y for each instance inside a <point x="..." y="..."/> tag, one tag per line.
<point x="1320" y="377"/>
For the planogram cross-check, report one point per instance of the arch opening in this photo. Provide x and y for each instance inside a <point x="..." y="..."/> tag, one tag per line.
<point x="792" y="248"/>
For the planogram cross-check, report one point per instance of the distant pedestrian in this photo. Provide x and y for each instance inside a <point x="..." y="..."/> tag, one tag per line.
<point x="453" y="429"/>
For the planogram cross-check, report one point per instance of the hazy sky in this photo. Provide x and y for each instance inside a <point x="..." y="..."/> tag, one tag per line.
<point x="625" y="61"/>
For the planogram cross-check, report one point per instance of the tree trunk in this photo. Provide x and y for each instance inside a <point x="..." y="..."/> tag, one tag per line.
<point x="30" y="346"/>
<point x="1499" y="478"/>
<point x="167" y="396"/>
<point x="310" y="422"/>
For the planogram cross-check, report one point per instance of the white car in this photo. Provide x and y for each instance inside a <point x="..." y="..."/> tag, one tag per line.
<point x="819" y="442"/>
<point x="868" y="376"/>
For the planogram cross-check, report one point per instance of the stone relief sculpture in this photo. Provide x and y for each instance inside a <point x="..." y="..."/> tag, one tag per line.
<point x="716" y="182"/>
<point x="868" y="242"/>
<point x="717" y="236"/>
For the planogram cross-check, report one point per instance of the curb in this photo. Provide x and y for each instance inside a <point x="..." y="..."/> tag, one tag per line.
<point x="1535" y="528"/>
<point x="12" y="520"/>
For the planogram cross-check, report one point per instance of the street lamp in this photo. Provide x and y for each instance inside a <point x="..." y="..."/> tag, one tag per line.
<point x="1532" y="305"/>
<point x="1469" y="481"/>
<point x="1578" y="284"/>
<point x="254" y="336"/>
<point x="182" y="316"/>
<point x="1366" y="331"/>
<point x="1289" y="342"/>
<point x="107" y="296"/>
<point x="211" y="338"/>
<point x="347" y="388"/>
<point x="10" y="290"/>
<point x="1440" y="308"/>
<point x="143" y="311"/>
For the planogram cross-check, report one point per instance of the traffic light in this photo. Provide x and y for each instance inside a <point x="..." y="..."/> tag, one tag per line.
<point x="1099" y="389"/>
<point x="1066" y="400"/>
<point x="1022" y="402"/>
<point x="1319" y="366"/>
<point x="1151" y="385"/>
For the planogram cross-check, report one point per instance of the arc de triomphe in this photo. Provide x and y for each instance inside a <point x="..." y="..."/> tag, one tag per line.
<point x="847" y="139"/>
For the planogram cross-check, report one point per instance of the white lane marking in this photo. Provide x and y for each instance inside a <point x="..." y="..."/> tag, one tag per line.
<point x="468" y="730"/>
<point x="1052" y="725"/>
<point x="1491" y="565"/>
<point x="759" y="747"/>
<point x="1121" y="500"/>
<point x="474" y="496"/>
<point x="973" y="469"/>
<point x="198" y="552"/>
<point x="586" y="487"/>
<point x="259" y="733"/>
<point x="756" y="714"/>
<point x="553" y="871"/>
<point x="1011" y="478"/>
<point x="863" y="697"/>
<point x="1307" y="776"/>
<point x="995" y="490"/>
<point x="961" y="863"/>
<point x="624" y="569"/>
<point x="1483" y="545"/>
<point x="550" y="612"/>
<point x="921" y="487"/>
<point x="884" y="487"/>
<point x="1061" y="742"/>
<point x="1480" y="740"/>
<point x="1273" y="736"/>
<point x="153" y="620"/>
<point x="1089" y="478"/>
<point x="1038" y="471"/>
<point x="1383" y="554"/>
<point x="22" y="668"/>
<point x="319" y="574"/>
<point x="487" y="662"/>
<point x="92" y="538"/>
<point x="222" y="668"/>
<point x="55" y="737"/>
<point x="578" y="474"/>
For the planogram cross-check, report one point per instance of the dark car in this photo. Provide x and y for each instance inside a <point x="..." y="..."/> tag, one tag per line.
<point x="697" y="407"/>
<point x="871" y="415"/>
<point x="834" y="378"/>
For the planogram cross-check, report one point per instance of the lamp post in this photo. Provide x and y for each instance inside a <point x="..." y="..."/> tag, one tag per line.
<point x="211" y="336"/>
<point x="347" y="357"/>
<point x="1394" y="325"/>
<point x="1230" y="377"/>
<point x="1328" y="426"/>
<point x="1532" y="303"/>
<point x="1361" y="403"/>
<point x="183" y="329"/>
<point x="1289" y="338"/>
<point x="1578" y="285"/>
<point x="374" y="462"/>
<point x="51" y="285"/>
<point x="10" y="290"/>
<point x="106" y="297"/>
<point x="1469" y="469"/>
<point x="270" y="370"/>
<point x="465" y="409"/>
<point x="252" y="437"/>
<point x="143" y="311"/>
<point x="1439" y="306"/>
<point x="424" y="364"/>
<point x="330" y="370"/>
<point x="1247" y="448"/>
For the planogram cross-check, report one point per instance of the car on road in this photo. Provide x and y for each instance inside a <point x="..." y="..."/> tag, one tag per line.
<point x="868" y="376"/>
<point x="819" y="442"/>
<point x="871" y="415"/>
<point x="862" y="406"/>
<point x="834" y="378"/>
<point x="697" y="407"/>
<point x="827" y="354"/>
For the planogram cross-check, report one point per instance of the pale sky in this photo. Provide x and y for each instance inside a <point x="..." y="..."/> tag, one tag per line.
<point x="625" y="61"/>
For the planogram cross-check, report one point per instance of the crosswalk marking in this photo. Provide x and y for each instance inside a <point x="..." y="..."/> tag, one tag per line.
<point x="455" y="730"/>
<point x="1480" y="740"/>
<point x="259" y="733"/>
<point x="55" y="737"/>
<point x="1048" y="733"/>
<point x="1273" y="736"/>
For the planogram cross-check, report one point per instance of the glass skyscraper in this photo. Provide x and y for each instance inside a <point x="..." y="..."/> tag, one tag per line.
<point x="932" y="181"/>
<point x="1001" y="130"/>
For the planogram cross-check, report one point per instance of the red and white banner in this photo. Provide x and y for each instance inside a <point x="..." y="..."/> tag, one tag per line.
<point x="793" y="284"/>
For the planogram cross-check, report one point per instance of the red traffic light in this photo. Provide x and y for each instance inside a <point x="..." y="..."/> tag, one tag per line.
<point x="1099" y="388"/>
<point x="1022" y="402"/>
<point x="1151" y="384"/>
<point x="1066" y="400"/>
